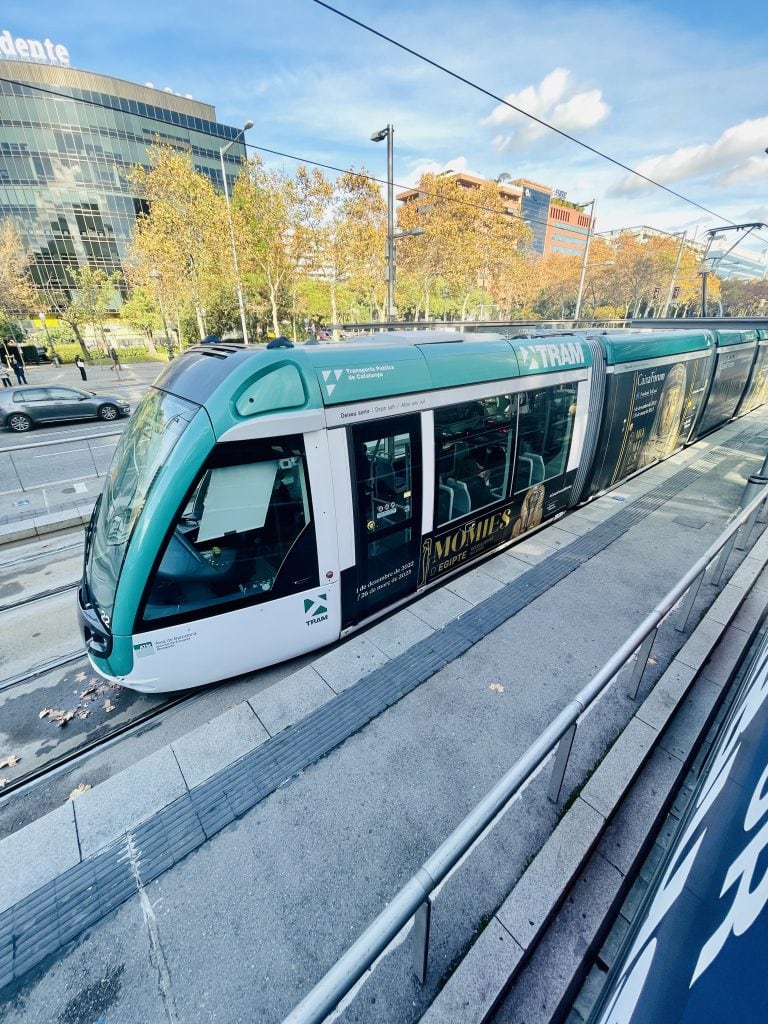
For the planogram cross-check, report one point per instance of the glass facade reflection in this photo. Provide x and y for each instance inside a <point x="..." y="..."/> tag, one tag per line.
<point x="534" y="207"/>
<point x="69" y="139"/>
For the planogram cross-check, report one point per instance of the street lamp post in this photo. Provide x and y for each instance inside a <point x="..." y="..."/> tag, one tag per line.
<point x="387" y="133"/>
<point x="240" y="302"/>
<point x="591" y="205"/>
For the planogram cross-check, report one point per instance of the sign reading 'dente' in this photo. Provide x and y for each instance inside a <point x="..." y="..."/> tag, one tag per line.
<point x="32" y="49"/>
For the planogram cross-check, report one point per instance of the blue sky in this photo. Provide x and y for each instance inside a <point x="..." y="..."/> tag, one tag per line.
<point x="677" y="90"/>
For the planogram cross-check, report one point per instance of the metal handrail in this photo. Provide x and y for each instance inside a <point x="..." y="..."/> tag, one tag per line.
<point x="414" y="898"/>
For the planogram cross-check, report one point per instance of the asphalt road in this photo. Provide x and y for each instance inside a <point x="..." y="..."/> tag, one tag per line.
<point x="54" y="466"/>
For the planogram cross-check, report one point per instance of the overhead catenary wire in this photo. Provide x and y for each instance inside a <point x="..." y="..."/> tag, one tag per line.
<point x="59" y="94"/>
<point x="520" y="110"/>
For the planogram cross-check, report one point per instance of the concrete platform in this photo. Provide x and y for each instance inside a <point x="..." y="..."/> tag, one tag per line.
<point x="240" y="862"/>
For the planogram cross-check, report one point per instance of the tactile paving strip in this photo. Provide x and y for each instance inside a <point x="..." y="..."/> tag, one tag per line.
<point x="41" y="924"/>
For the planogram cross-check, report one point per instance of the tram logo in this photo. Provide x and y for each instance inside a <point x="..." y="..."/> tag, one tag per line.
<point x="316" y="609"/>
<point x="144" y="650"/>
<point x="547" y="357"/>
<point x="327" y="374"/>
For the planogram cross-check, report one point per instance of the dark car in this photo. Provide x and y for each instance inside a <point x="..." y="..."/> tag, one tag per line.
<point x="24" y="407"/>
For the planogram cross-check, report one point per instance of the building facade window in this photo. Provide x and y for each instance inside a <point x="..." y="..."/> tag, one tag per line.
<point x="68" y="141"/>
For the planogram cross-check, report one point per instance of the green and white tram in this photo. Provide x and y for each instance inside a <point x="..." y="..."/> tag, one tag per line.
<point x="263" y="503"/>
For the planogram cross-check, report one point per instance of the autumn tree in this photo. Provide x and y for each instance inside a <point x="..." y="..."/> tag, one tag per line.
<point x="357" y="244"/>
<point x="425" y="259"/>
<point x="17" y="296"/>
<point x="745" y="298"/>
<point x="557" y="284"/>
<point x="183" y="236"/>
<point x="140" y="311"/>
<point x="92" y="293"/>
<point x="265" y="215"/>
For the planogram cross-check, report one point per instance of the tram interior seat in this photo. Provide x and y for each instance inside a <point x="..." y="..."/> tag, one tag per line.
<point x="538" y="472"/>
<point x="462" y="505"/>
<point x="523" y="473"/>
<point x="444" y="503"/>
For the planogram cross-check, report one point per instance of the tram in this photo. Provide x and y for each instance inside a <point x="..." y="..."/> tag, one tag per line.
<point x="263" y="503"/>
<point x="696" y="947"/>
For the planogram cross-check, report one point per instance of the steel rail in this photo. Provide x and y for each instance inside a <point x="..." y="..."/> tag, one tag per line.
<point x="413" y="901"/>
<point x="41" y="596"/>
<point x="40" y="670"/>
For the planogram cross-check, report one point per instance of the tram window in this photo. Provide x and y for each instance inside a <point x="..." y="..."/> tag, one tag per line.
<point x="473" y="448"/>
<point x="235" y="535"/>
<point x="544" y="431"/>
<point x="387" y="476"/>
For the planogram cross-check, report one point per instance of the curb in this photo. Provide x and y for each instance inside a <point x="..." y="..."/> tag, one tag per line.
<point x="39" y="526"/>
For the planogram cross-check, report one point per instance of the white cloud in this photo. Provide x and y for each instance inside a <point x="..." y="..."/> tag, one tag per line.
<point x="732" y="154"/>
<point x="553" y="100"/>
<point x="459" y="163"/>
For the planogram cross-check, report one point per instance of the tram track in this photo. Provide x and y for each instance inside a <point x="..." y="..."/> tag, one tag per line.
<point x="45" y="772"/>
<point x="40" y="596"/>
<point x="40" y="670"/>
<point x="46" y="552"/>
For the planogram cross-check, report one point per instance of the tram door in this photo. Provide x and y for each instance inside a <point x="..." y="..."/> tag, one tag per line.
<point x="387" y="485"/>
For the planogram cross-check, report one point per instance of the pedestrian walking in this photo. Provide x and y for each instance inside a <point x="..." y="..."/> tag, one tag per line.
<point x="115" y="361"/>
<point x="81" y="367"/>
<point x="18" y="369"/>
<point x="5" y="375"/>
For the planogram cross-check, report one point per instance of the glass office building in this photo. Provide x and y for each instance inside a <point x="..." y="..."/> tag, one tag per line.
<point x="69" y="139"/>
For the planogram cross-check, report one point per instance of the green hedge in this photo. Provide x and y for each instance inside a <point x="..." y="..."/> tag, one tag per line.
<point x="68" y="351"/>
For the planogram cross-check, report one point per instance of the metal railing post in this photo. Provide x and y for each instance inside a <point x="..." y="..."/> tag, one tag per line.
<point x="16" y="471"/>
<point x="755" y="485"/>
<point x="561" y="763"/>
<point x="93" y="460"/>
<point x="722" y="561"/>
<point x="643" y="653"/>
<point x="422" y="920"/>
<point x="687" y="606"/>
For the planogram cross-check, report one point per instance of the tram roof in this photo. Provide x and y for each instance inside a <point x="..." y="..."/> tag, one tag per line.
<point x="636" y="345"/>
<point x="365" y="368"/>
<point x="393" y="364"/>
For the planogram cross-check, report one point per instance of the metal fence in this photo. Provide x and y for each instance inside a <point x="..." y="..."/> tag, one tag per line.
<point x="414" y="900"/>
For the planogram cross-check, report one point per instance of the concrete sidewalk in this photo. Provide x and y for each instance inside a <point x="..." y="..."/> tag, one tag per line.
<point x="241" y="861"/>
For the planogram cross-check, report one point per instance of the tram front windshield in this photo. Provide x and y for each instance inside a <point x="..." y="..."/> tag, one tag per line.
<point x="152" y="433"/>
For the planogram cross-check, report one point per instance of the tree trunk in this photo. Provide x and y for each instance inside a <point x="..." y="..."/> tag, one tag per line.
<point x="81" y="343"/>
<point x="273" y="304"/>
<point x="334" y="311"/>
<point x="200" y="321"/>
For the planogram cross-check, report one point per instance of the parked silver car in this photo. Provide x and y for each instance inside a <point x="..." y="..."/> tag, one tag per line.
<point x="24" y="407"/>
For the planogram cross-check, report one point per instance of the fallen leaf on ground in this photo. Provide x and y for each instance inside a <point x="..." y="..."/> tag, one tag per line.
<point x="496" y="687"/>
<point x="108" y="705"/>
<point x="10" y="762"/>
<point x="59" y="717"/>
<point x="80" y="677"/>
<point x="4" y="782"/>
<point x="82" y="788"/>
